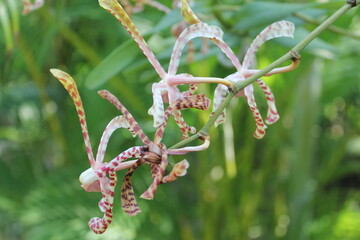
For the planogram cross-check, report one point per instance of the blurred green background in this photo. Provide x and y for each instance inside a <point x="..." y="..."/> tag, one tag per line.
<point x="301" y="181"/>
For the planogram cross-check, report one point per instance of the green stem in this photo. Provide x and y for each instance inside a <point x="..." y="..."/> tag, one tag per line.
<point x="294" y="53"/>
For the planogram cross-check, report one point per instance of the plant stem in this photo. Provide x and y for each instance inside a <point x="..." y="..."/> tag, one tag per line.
<point x="294" y="53"/>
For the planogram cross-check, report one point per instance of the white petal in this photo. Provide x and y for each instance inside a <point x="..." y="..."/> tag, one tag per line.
<point x="275" y="30"/>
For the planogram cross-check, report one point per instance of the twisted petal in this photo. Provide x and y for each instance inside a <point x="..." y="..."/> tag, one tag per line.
<point x="179" y="170"/>
<point x="117" y="122"/>
<point x="199" y="101"/>
<point x="272" y="115"/>
<point x="184" y="127"/>
<point x="185" y="150"/>
<point x="157" y="109"/>
<point x="191" y="18"/>
<point x="90" y="181"/>
<point x="99" y="225"/>
<point x="118" y="162"/>
<point x="219" y="97"/>
<point x="260" y="126"/>
<point x="191" y="32"/>
<point x="128" y="200"/>
<point x="158" y="172"/>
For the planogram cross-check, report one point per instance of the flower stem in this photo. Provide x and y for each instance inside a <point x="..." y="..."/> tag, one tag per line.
<point x="177" y="80"/>
<point x="291" y="55"/>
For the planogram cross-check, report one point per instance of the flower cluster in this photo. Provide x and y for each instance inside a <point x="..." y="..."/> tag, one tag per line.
<point x="101" y="176"/>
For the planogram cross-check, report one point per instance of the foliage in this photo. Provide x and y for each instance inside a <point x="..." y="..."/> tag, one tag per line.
<point x="299" y="182"/>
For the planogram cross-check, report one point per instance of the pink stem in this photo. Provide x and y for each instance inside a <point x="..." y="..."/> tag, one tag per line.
<point x="177" y="80"/>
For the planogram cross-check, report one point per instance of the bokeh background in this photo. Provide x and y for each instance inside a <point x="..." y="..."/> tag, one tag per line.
<point x="301" y="181"/>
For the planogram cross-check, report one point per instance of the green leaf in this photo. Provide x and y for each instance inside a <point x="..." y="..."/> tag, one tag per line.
<point x="6" y="25"/>
<point x="167" y="21"/>
<point x="116" y="61"/>
<point x="258" y="14"/>
<point x="318" y="46"/>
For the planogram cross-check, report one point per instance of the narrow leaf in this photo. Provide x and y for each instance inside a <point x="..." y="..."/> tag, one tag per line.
<point x="115" y="62"/>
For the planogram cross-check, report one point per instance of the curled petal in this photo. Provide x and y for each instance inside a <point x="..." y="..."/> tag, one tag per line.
<point x="185" y="150"/>
<point x="184" y="127"/>
<point x="199" y="101"/>
<point x="117" y="122"/>
<point x="157" y="109"/>
<point x="69" y="84"/>
<point x="99" y="225"/>
<point x="90" y="181"/>
<point x="128" y="200"/>
<point x="118" y="162"/>
<point x="275" y="30"/>
<point x="219" y="97"/>
<point x="191" y="32"/>
<point x="190" y="17"/>
<point x="193" y="87"/>
<point x="173" y="94"/>
<point x="179" y="170"/>
<point x="272" y="115"/>
<point x="158" y="174"/>
<point x="260" y="126"/>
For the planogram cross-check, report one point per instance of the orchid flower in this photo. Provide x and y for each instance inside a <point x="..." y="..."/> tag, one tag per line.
<point x="153" y="152"/>
<point x="166" y="90"/>
<point x="28" y="6"/>
<point x="275" y="30"/>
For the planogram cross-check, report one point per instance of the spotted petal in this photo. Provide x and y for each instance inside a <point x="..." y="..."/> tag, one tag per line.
<point x="179" y="170"/>
<point x="191" y="18"/>
<point x="199" y="101"/>
<point x="134" y="126"/>
<point x="117" y="122"/>
<point x="272" y="115"/>
<point x="115" y="9"/>
<point x="275" y="30"/>
<point x="69" y="84"/>
<point x="128" y="200"/>
<point x="191" y="32"/>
